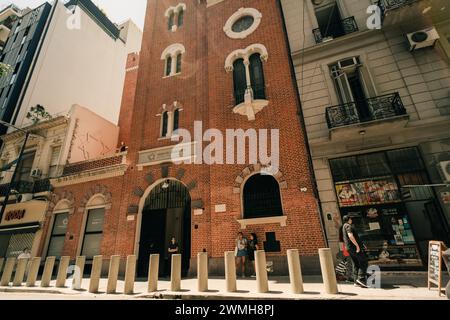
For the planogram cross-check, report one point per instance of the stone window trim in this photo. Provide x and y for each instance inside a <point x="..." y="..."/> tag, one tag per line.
<point x="172" y="51"/>
<point x="250" y="107"/>
<point x="281" y="220"/>
<point x="170" y="110"/>
<point x="238" y="189"/>
<point x="242" y="12"/>
<point x="175" y="10"/>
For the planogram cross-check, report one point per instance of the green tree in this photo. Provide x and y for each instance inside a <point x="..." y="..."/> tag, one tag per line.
<point x="4" y="69"/>
<point x="38" y="113"/>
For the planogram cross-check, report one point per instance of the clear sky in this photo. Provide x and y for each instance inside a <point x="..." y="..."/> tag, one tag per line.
<point x="117" y="10"/>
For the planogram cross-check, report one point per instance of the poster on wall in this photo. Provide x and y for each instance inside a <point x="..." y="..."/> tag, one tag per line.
<point x="367" y="192"/>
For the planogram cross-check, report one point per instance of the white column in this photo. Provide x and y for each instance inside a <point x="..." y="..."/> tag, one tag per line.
<point x="202" y="272"/>
<point x="230" y="271"/>
<point x="153" y="271"/>
<point x="261" y="271"/>
<point x="328" y="273"/>
<point x="295" y="271"/>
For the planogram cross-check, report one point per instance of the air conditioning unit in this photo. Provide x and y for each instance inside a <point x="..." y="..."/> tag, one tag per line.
<point x="445" y="169"/>
<point x="36" y="173"/>
<point x="349" y="63"/>
<point x="422" y="38"/>
<point x="25" y="197"/>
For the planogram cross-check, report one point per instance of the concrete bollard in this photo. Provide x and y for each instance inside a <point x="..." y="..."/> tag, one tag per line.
<point x="62" y="272"/>
<point x="79" y="272"/>
<point x="33" y="272"/>
<point x="113" y="274"/>
<point x="175" y="274"/>
<point x="202" y="271"/>
<point x="262" y="280"/>
<point x="153" y="271"/>
<point x="295" y="271"/>
<point x="130" y="275"/>
<point x="230" y="271"/>
<point x="7" y="272"/>
<point x="48" y="272"/>
<point x="328" y="273"/>
<point x="20" y="272"/>
<point x="96" y="273"/>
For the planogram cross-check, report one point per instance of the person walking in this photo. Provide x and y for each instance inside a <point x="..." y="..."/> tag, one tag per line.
<point x="356" y="249"/>
<point x="251" y="248"/>
<point x="241" y="253"/>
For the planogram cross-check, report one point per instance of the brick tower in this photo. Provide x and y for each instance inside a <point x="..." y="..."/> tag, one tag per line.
<point x="226" y="66"/>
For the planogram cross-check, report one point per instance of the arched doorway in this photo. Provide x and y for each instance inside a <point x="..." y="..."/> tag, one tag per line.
<point x="166" y="214"/>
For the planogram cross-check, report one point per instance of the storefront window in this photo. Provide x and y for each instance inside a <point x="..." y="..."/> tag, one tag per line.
<point x="369" y="187"/>
<point x="94" y="233"/>
<point x="56" y="244"/>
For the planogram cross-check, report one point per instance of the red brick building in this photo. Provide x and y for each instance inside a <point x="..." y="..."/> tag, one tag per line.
<point x="228" y="67"/>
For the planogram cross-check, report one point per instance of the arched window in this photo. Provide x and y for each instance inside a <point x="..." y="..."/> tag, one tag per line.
<point x="179" y="63"/>
<point x="180" y="18"/>
<point x="240" y="82"/>
<point x="261" y="197"/>
<point x="165" y="124"/>
<point x="171" y="21"/>
<point x="168" y="66"/>
<point x="176" y="120"/>
<point x="257" y="76"/>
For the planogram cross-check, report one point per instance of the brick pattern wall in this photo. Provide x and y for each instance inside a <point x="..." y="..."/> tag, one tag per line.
<point x="129" y="92"/>
<point x="205" y="91"/>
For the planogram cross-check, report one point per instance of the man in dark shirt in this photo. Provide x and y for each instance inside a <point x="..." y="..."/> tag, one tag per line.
<point x="356" y="248"/>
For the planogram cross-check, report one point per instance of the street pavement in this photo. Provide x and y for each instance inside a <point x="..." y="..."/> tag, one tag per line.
<point x="394" y="286"/>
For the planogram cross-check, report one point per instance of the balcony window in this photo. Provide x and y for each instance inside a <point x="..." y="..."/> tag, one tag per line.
<point x="25" y="166"/>
<point x="331" y="24"/>
<point x="54" y="159"/>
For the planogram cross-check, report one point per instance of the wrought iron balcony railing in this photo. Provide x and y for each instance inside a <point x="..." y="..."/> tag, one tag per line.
<point x="377" y="108"/>
<point x="387" y="5"/>
<point x="26" y="187"/>
<point x="346" y="26"/>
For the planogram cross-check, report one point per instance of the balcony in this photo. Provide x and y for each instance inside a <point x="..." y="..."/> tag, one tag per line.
<point x="26" y="187"/>
<point x="419" y="13"/>
<point x="346" y="26"/>
<point x="384" y="113"/>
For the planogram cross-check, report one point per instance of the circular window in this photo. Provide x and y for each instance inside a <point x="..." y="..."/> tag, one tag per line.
<point x="243" y="24"/>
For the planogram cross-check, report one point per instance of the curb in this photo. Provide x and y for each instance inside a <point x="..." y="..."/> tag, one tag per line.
<point x="26" y="290"/>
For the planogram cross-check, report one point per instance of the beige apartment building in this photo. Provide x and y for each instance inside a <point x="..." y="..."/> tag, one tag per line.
<point x="376" y="105"/>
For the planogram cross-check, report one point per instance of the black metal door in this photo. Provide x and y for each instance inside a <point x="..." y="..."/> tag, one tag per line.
<point x="166" y="213"/>
<point x="152" y="239"/>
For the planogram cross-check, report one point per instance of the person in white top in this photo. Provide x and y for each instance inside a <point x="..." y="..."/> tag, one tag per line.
<point x="25" y="254"/>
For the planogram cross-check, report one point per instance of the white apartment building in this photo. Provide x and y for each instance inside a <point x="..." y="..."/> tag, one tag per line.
<point x="376" y="106"/>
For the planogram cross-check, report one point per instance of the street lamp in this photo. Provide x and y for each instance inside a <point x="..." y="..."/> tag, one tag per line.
<point x="22" y="150"/>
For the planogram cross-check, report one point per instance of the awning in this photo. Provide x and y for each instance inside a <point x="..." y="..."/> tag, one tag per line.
<point x="21" y="228"/>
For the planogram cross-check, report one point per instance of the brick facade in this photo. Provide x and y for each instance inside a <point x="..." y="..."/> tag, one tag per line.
<point x="205" y="91"/>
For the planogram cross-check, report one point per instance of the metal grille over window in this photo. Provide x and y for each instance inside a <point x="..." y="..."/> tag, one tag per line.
<point x="18" y="242"/>
<point x="262" y="197"/>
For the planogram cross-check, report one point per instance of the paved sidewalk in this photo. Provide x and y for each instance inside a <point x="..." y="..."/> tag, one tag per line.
<point x="393" y="287"/>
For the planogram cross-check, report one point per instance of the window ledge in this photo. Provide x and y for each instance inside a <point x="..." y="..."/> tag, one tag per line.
<point x="250" y="108"/>
<point x="282" y="220"/>
<point x="172" y="75"/>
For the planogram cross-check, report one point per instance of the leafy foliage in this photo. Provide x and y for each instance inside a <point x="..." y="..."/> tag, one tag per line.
<point x="38" y="113"/>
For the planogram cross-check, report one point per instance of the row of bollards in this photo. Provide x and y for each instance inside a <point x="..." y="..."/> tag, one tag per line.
<point x="21" y="267"/>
